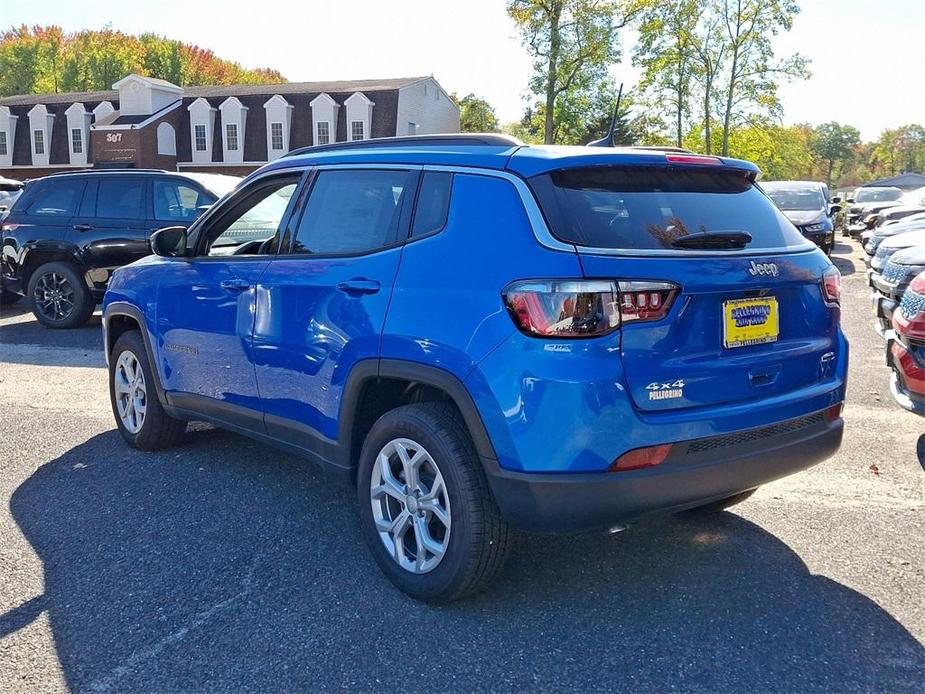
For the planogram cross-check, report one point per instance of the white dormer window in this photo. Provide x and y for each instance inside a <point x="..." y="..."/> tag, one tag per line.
<point x="7" y="135"/>
<point x="231" y="137"/>
<point x="103" y="110"/>
<point x="202" y="124"/>
<point x="279" y="120"/>
<point x="324" y="118"/>
<point x="359" y="115"/>
<point x="322" y="132"/>
<point x="78" y="129"/>
<point x="234" y="118"/>
<point x="40" y="125"/>
<point x="201" y="141"/>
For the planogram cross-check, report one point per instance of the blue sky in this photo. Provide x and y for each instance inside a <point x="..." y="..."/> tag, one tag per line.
<point x="867" y="57"/>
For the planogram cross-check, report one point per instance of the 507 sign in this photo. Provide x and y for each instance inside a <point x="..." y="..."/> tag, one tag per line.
<point x="113" y="137"/>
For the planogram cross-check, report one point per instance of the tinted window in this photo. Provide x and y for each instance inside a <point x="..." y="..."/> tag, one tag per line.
<point x="352" y="211"/>
<point x="253" y="219"/>
<point x="121" y="197"/>
<point x="648" y="208"/>
<point x="877" y="194"/>
<point x="177" y="201"/>
<point x="433" y="203"/>
<point x="57" y="198"/>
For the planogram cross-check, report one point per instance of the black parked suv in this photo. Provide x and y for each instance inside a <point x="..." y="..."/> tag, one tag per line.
<point x="67" y="233"/>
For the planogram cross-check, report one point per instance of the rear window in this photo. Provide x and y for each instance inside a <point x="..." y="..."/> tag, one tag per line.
<point x="636" y="208"/>
<point x="877" y="194"/>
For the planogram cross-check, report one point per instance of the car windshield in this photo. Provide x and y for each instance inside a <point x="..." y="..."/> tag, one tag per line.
<point x="798" y="199"/>
<point x="640" y="208"/>
<point x="877" y="194"/>
<point x="218" y="184"/>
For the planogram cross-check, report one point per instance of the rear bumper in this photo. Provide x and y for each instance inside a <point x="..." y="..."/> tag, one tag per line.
<point x="908" y="388"/>
<point x="695" y="473"/>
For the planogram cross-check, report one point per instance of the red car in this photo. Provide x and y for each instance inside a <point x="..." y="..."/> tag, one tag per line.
<point x="906" y="351"/>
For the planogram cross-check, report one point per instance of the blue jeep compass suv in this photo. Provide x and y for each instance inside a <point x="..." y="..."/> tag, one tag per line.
<point x="483" y="335"/>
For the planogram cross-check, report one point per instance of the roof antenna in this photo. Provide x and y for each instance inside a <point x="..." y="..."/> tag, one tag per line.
<point x="609" y="139"/>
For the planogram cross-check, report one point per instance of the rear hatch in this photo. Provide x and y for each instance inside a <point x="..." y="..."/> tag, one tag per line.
<point x="749" y="316"/>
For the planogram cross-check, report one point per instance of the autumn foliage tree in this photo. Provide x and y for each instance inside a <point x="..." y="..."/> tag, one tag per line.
<point x="35" y="60"/>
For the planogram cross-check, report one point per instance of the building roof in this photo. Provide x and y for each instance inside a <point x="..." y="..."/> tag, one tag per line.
<point x="371" y="85"/>
<point x="904" y="180"/>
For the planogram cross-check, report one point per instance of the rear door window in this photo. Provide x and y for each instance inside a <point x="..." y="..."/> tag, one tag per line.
<point x="121" y="198"/>
<point x="433" y="203"/>
<point x="57" y="199"/>
<point x="647" y="208"/>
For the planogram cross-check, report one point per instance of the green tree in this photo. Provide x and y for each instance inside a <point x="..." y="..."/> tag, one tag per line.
<point x="833" y="142"/>
<point x="475" y="114"/>
<point x="748" y="28"/>
<point x="572" y="42"/>
<point x="666" y="55"/>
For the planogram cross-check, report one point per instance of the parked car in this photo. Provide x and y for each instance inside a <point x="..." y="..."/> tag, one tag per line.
<point x="897" y="214"/>
<point x="869" y="218"/>
<point x="871" y="240"/>
<point x="67" y="233"/>
<point x="9" y="191"/>
<point x="805" y="204"/>
<point x="906" y="348"/>
<point x="890" y="282"/>
<point x="864" y="198"/>
<point x="480" y="334"/>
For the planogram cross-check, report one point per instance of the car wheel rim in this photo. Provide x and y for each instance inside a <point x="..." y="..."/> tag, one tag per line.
<point x="131" y="394"/>
<point x="411" y="506"/>
<point x="53" y="296"/>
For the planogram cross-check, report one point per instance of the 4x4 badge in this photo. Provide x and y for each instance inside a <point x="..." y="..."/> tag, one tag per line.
<point x="762" y="269"/>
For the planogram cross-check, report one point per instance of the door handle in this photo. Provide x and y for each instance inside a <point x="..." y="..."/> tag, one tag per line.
<point x="359" y="286"/>
<point x="83" y="227"/>
<point x="235" y="284"/>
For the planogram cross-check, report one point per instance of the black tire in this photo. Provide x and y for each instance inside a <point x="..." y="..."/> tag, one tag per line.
<point x="8" y="298"/>
<point x="723" y="504"/>
<point x="479" y="539"/>
<point x="158" y="429"/>
<point x="77" y="293"/>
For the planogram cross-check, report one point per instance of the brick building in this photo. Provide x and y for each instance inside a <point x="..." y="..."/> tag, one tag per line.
<point x="150" y="123"/>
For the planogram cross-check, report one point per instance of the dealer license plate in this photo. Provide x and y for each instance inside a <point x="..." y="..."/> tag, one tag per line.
<point x="750" y="322"/>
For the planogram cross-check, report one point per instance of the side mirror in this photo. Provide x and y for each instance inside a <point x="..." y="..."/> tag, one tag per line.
<point x="834" y="209"/>
<point x="850" y="200"/>
<point x="836" y="199"/>
<point x="169" y="242"/>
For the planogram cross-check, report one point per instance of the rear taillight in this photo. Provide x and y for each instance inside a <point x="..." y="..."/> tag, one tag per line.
<point x="640" y="458"/>
<point x="833" y="412"/>
<point x="831" y="286"/>
<point x="584" y="308"/>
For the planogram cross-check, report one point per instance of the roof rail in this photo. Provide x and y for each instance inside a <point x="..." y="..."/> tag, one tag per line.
<point x="449" y="139"/>
<point x="111" y="170"/>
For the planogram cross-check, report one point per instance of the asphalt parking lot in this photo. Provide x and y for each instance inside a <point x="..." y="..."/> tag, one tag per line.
<point x="224" y="566"/>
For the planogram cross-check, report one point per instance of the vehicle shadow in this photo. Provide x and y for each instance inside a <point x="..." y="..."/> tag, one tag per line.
<point x="216" y="566"/>
<point x="26" y="341"/>
<point x="844" y="264"/>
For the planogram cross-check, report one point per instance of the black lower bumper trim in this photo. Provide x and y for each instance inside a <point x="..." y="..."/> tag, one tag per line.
<point x="551" y="502"/>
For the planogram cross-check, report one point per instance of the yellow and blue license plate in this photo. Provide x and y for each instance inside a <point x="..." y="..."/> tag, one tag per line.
<point x="750" y="322"/>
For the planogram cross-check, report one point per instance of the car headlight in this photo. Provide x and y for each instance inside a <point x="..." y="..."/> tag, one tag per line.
<point x="814" y="227"/>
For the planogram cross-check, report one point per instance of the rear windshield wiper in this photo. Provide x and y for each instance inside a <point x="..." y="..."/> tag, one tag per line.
<point x="723" y="240"/>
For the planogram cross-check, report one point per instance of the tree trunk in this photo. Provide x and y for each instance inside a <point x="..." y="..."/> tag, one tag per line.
<point x="727" y="117"/>
<point x="549" y="126"/>
<point x="828" y="177"/>
<point x="707" y="130"/>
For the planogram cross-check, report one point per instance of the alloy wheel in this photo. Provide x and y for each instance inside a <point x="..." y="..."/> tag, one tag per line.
<point x="131" y="393"/>
<point x="411" y="506"/>
<point x="53" y="296"/>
